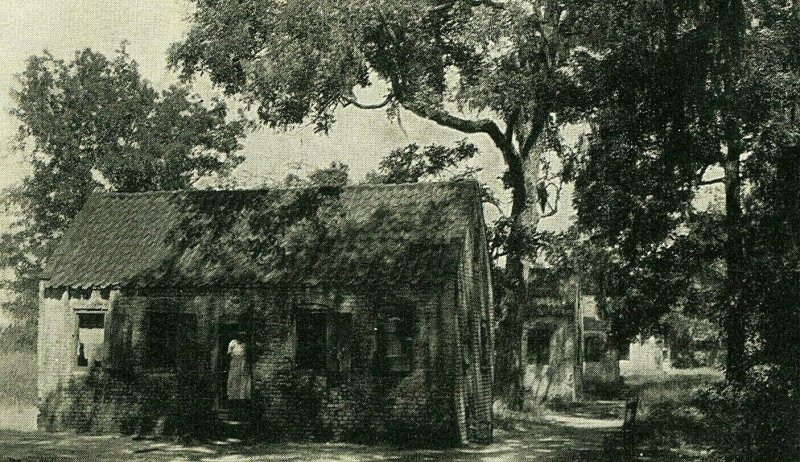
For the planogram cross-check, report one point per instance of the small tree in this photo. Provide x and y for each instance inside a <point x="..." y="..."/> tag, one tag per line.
<point x="94" y="123"/>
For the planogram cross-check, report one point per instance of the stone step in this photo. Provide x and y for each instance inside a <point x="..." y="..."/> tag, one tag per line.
<point x="238" y="429"/>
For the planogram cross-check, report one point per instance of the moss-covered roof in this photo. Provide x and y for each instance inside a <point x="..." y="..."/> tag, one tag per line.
<point x="354" y="235"/>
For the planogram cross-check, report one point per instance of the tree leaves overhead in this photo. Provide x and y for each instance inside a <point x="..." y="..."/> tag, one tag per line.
<point x="666" y="93"/>
<point x="95" y="123"/>
<point x="295" y="59"/>
<point x="411" y="164"/>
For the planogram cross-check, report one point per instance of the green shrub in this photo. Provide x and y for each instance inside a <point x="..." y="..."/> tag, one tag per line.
<point x="757" y="421"/>
<point x="20" y="336"/>
<point x="673" y="411"/>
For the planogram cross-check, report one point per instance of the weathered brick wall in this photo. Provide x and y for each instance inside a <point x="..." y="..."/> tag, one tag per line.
<point x="475" y="307"/>
<point x="357" y="405"/>
<point x="288" y="403"/>
<point x="128" y="399"/>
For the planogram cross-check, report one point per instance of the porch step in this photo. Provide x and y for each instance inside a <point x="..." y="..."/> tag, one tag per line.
<point x="235" y="420"/>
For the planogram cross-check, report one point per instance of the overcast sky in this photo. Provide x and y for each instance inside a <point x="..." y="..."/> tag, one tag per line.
<point x="359" y="138"/>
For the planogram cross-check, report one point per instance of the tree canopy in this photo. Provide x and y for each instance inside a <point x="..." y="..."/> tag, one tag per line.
<point x="687" y="96"/>
<point x="502" y="69"/>
<point x="95" y="123"/>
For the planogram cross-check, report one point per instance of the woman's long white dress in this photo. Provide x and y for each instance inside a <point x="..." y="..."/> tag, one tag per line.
<point x="238" y="373"/>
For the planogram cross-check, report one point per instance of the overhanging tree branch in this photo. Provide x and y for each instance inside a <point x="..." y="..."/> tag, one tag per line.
<point x="708" y="182"/>
<point x="351" y="100"/>
<point x="486" y="126"/>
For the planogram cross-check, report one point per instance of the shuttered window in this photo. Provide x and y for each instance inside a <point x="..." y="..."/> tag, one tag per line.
<point x="170" y="340"/>
<point x="398" y="341"/>
<point x="323" y="341"/>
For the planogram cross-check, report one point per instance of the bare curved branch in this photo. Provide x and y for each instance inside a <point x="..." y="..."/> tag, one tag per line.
<point x="463" y="125"/>
<point x="709" y="182"/>
<point x="351" y="100"/>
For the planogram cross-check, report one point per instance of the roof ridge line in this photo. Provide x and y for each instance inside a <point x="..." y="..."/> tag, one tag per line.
<point x="164" y="192"/>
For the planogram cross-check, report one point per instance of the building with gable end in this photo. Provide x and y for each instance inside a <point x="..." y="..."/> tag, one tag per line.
<point x="361" y="313"/>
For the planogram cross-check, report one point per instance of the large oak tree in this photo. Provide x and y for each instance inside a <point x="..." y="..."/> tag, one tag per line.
<point x="494" y="68"/>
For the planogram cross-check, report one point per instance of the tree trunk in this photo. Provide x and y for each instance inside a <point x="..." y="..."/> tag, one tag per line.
<point x="510" y="364"/>
<point x="734" y="321"/>
<point x="510" y="374"/>
<point x="732" y="26"/>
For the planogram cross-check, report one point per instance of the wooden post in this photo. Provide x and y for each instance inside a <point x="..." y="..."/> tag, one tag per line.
<point x="579" y="341"/>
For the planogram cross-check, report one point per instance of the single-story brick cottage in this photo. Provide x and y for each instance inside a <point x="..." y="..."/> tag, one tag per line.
<point x="361" y="313"/>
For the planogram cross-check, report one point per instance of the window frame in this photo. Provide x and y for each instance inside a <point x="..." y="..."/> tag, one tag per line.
<point x="406" y="331"/>
<point x="173" y="340"/>
<point x="302" y="360"/>
<point x="103" y="346"/>
<point x="542" y="341"/>
<point x="331" y="342"/>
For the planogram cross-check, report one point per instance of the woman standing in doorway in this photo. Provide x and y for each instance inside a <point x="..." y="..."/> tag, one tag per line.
<point x="238" y="371"/>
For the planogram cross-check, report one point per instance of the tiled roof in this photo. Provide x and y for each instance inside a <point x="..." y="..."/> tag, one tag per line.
<point x="120" y="239"/>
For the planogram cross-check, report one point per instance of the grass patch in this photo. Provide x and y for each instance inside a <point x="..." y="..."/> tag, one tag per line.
<point x="673" y="410"/>
<point x="18" y="378"/>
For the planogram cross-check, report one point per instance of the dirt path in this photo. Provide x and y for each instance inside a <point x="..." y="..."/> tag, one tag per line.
<point x="573" y="436"/>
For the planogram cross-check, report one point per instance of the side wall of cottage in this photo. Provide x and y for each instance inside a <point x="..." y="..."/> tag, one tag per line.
<point x="126" y="395"/>
<point x="123" y="394"/>
<point x="475" y="369"/>
<point x="360" y="404"/>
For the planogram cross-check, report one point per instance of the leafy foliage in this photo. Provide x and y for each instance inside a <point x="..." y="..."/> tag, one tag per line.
<point x="410" y="164"/>
<point x="94" y="123"/>
<point x="714" y="88"/>
<point x="755" y="420"/>
<point x="673" y="104"/>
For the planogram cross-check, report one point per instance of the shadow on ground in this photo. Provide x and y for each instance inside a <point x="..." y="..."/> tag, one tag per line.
<point x="573" y="436"/>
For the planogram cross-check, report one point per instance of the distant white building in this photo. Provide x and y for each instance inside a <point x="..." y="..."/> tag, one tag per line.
<point x="646" y="356"/>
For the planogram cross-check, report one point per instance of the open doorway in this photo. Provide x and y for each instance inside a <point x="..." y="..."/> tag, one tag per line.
<point x="233" y="353"/>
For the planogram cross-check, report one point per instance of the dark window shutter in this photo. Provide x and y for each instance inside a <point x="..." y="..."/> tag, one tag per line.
<point x="188" y="348"/>
<point x="340" y="333"/>
<point x="117" y="338"/>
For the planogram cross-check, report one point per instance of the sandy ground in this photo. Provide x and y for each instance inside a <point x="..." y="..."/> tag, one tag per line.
<point x="20" y="417"/>
<point x="577" y="436"/>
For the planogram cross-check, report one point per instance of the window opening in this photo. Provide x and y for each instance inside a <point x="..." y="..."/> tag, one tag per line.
<point x="323" y="341"/>
<point x="340" y="334"/>
<point x="311" y="333"/>
<point x="399" y="335"/>
<point x="539" y="345"/>
<point x="91" y="338"/>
